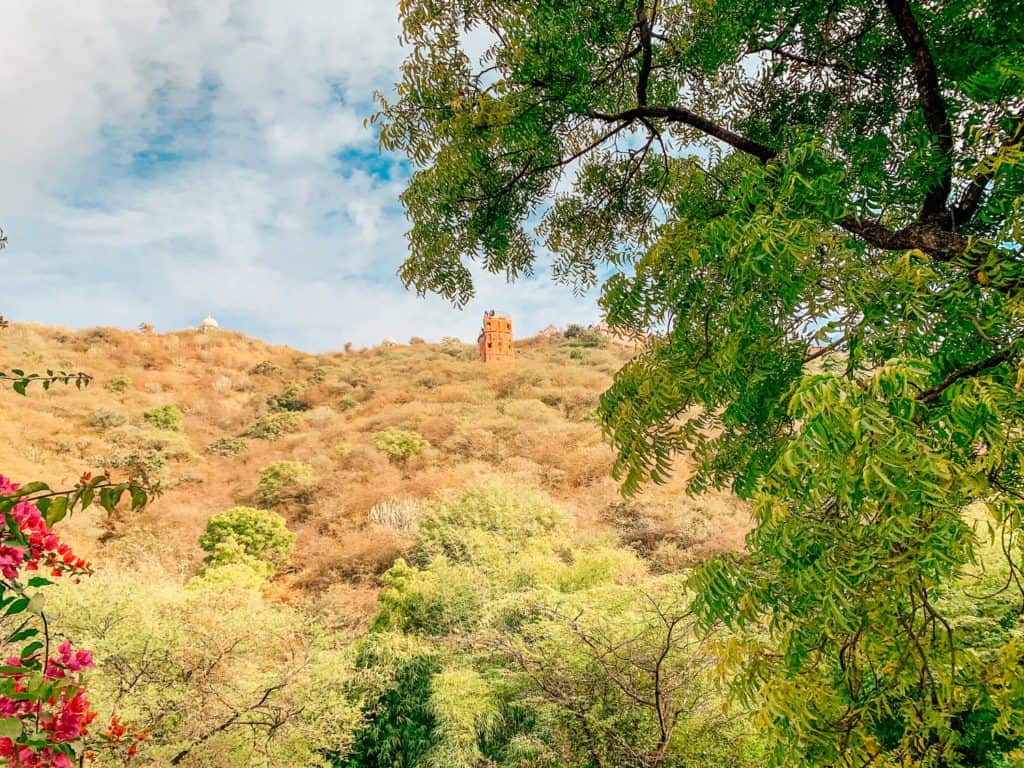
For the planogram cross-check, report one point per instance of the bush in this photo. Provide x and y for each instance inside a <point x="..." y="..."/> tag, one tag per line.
<point x="400" y="445"/>
<point x="288" y="400"/>
<point x="240" y="575"/>
<point x="265" y="368"/>
<point x="346" y="403"/>
<point x="166" y="417"/>
<point x="402" y="513"/>
<point x="493" y="514"/>
<point x="452" y="346"/>
<point x="104" y="419"/>
<point x="285" y="481"/>
<point x="227" y="446"/>
<point x="245" y="535"/>
<point x="417" y="340"/>
<point x="271" y="426"/>
<point x="118" y="384"/>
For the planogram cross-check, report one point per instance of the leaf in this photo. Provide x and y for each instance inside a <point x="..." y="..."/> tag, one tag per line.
<point x="19" y="605"/>
<point x="56" y="510"/>
<point x="10" y="728"/>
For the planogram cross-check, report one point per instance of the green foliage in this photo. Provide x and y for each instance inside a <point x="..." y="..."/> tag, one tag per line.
<point x="397" y="727"/>
<point x="227" y="446"/>
<point x="521" y="643"/>
<point x="271" y="426"/>
<point x="772" y="187"/>
<point x="400" y="445"/>
<point x="118" y="384"/>
<point x="287" y="400"/>
<point x="217" y="677"/>
<point x="244" y="532"/>
<point x="166" y="417"/>
<point x="20" y="380"/>
<point x="285" y="481"/>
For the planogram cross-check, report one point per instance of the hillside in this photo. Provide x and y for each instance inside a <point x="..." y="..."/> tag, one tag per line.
<point x="529" y="424"/>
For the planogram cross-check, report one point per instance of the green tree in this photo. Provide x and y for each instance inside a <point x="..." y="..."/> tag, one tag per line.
<point x="247" y="532"/>
<point x="811" y="211"/>
<point x="516" y="641"/>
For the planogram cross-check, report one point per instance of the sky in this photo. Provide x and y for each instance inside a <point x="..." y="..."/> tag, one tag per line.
<point x="164" y="160"/>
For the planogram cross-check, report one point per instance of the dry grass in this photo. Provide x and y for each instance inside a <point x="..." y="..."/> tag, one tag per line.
<point x="529" y="424"/>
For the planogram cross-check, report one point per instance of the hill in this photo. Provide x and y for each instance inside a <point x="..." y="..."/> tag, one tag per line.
<point x="245" y="404"/>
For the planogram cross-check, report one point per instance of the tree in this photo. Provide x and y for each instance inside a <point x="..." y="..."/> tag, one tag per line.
<point x="514" y="640"/>
<point x="811" y="212"/>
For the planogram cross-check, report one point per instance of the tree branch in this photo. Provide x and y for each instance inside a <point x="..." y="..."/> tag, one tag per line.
<point x="933" y="393"/>
<point x="964" y="210"/>
<point x="929" y="95"/>
<point x="685" y="116"/>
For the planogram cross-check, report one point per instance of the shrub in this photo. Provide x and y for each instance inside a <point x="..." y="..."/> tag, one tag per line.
<point x="285" y="481"/>
<point x="318" y="376"/>
<point x="346" y="403"/>
<point x="401" y="513"/>
<point x="118" y="384"/>
<point x="452" y="346"/>
<point x="220" y="578"/>
<point x="145" y="327"/>
<point x="246" y="534"/>
<point x="417" y="340"/>
<point x="574" y="331"/>
<point x="288" y="400"/>
<point x="227" y="446"/>
<point x="166" y="417"/>
<point x="271" y="426"/>
<point x="104" y="419"/>
<point x="505" y="514"/>
<point x="399" y="445"/>
<point x="265" y="368"/>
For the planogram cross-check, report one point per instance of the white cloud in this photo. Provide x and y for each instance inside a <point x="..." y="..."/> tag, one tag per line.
<point x="164" y="159"/>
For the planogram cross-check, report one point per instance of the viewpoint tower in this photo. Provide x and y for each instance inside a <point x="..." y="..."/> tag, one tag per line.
<point x="495" y="340"/>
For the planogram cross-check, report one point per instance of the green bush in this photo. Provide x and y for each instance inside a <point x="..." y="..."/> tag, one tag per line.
<point x="346" y="403"/>
<point x="247" y="535"/>
<point x="237" y="575"/>
<point x="118" y="384"/>
<point x="104" y="419"/>
<point x="271" y="426"/>
<point x="400" y="445"/>
<point x="288" y="400"/>
<point x="166" y="417"/>
<point x="227" y="446"/>
<point x="285" y="481"/>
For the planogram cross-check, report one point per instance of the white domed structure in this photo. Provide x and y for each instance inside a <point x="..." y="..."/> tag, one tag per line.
<point x="208" y="324"/>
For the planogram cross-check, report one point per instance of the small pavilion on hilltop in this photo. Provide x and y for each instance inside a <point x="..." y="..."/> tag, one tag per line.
<point x="208" y="324"/>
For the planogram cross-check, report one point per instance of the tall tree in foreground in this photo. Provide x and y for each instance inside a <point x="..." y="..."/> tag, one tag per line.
<point x="811" y="211"/>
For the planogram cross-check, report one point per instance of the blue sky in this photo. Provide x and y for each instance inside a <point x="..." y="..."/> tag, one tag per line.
<point x="167" y="159"/>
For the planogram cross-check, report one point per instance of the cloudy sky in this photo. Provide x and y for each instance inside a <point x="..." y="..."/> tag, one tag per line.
<point x="161" y="160"/>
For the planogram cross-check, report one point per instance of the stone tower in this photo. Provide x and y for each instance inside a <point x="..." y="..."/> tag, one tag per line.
<point x="495" y="340"/>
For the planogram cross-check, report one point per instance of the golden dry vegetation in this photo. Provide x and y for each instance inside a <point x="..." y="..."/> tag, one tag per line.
<point x="530" y="424"/>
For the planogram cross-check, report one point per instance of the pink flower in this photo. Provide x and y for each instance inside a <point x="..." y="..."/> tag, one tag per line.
<point x="11" y="560"/>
